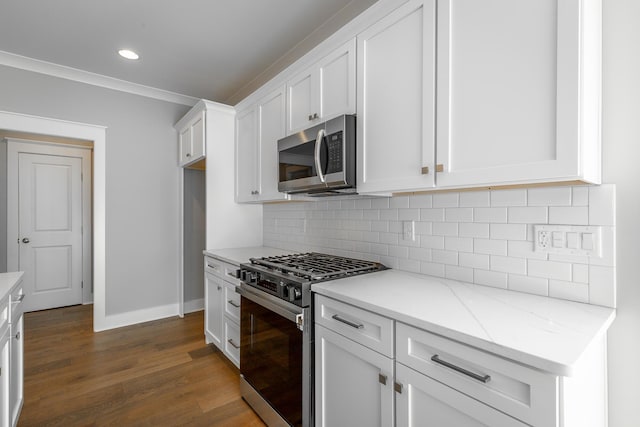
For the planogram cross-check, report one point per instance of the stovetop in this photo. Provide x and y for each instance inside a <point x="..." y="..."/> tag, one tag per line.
<point x="316" y="266"/>
<point x="289" y="277"/>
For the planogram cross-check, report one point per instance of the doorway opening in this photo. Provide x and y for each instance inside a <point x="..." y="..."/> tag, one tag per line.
<point x="49" y="211"/>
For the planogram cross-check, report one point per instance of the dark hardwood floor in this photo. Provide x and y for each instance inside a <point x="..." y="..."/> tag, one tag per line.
<point x="154" y="374"/>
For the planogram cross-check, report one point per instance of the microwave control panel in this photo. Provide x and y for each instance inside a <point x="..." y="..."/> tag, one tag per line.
<point x="334" y="151"/>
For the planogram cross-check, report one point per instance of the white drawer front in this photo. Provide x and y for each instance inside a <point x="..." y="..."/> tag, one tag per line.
<point x="17" y="296"/>
<point x="232" y="341"/>
<point x="362" y="326"/>
<point x="231" y="302"/>
<point x="525" y="393"/>
<point x="4" y="315"/>
<point x="221" y="269"/>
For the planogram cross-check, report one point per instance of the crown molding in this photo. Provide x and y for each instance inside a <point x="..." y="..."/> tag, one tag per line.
<point x="74" y="74"/>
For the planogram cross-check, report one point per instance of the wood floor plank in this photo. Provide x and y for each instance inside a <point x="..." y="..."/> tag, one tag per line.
<point x="154" y="374"/>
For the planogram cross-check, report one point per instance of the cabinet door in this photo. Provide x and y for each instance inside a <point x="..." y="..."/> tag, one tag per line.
<point x="301" y="99"/>
<point x="16" y="366"/>
<point x="396" y="101"/>
<point x="349" y="383"/>
<point x="246" y="156"/>
<point x="213" y="310"/>
<point x="198" y="138"/>
<point x="185" y="146"/>
<point x="508" y="91"/>
<point x="424" y="402"/>
<point x="271" y="117"/>
<point x="337" y="74"/>
<point x="232" y="341"/>
<point x="5" y="372"/>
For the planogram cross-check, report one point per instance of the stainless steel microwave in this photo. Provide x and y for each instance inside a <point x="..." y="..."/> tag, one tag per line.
<point x="319" y="161"/>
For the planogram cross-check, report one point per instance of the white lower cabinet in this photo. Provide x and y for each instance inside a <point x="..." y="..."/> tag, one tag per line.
<point x="349" y="383"/>
<point x="424" y="379"/>
<point x="213" y="310"/>
<point x="222" y="308"/>
<point x="16" y="380"/>
<point x="422" y="401"/>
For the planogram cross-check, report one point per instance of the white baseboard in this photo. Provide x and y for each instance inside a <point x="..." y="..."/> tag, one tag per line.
<point x="138" y="316"/>
<point x="194" y="305"/>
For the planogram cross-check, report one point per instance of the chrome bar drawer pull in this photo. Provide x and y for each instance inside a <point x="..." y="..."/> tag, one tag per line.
<point x="347" y="322"/>
<point x="232" y="302"/>
<point x="230" y="341"/>
<point x="19" y="299"/>
<point x="481" y="378"/>
<point x="397" y="387"/>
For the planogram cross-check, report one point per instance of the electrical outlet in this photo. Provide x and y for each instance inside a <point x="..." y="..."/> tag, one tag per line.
<point x="568" y="239"/>
<point x="408" y="231"/>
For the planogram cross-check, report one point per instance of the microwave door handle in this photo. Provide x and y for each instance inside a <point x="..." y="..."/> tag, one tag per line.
<point x="319" y="138"/>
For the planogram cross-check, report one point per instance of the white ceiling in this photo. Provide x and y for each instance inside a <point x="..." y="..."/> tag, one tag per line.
<point x="214" y="49"/>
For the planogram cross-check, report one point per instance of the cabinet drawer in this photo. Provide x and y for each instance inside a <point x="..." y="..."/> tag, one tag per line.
<point x="231" y="302"/>
<point x="232" y="341"/>
<point x="17" y="296"/>
<point x="522" y="392"/>
<point x="362" y="326"/>
<point x="4" y="315"/>
<point x="221" y="269"/>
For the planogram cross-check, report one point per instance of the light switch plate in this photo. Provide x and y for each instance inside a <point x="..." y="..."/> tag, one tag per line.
<point x="408" y="231"/>
<point x="568" y="239"/>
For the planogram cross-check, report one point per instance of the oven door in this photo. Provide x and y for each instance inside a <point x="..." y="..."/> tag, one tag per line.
<point x="275" y="357"/>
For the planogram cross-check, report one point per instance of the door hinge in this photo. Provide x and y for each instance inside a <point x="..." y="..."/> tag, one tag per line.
<point x="82" y="284"/>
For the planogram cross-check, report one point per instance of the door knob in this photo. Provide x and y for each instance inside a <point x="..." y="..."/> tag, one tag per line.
<point x="25" y="240"/>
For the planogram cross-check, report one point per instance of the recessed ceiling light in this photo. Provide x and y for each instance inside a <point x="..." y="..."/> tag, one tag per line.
<point x="129" y="54"/>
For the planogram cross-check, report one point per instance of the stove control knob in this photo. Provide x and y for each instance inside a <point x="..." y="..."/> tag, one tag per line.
<point x="294" y="293"/>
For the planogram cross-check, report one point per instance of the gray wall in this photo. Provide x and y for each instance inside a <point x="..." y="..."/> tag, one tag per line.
<point x="195" y="233"/>
<point x="3" y="206"/>
<point x="141" y="179"/>
<point x="621" y="157"/>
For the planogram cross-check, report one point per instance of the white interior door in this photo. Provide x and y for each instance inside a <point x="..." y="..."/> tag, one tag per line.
<point x="50" y="230"/>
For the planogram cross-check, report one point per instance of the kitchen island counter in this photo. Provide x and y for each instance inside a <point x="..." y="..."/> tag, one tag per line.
<point x="8" y="282"/>
<point x="545" y="333"/>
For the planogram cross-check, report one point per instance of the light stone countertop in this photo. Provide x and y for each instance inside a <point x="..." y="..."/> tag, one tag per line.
<point x="238" y="256"/>
<point x="8" y="281"/>
<point x="546" y="333"/>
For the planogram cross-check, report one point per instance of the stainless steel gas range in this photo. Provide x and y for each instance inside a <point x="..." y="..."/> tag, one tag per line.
<point x="276" y="350"/>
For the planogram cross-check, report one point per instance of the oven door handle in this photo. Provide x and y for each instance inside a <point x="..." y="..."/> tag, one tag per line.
<point x="275" y="306"/>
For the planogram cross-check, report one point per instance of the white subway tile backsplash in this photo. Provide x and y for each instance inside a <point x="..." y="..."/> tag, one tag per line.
<point x="508" y="231"/>
<point x="580" y="196"/>
<point x="495" y="215"/>
<point x="468" y="229"/>
<point x="530" y="285"/>
<point x="445" y="228"/>
<point x="474" y="260"/>
<point x="490" y="247"/>
<point x="508" y="264"/>
<point x="578" y="215"/>
<point x="458" y="214"/>
<point x="432" y="269"/>
<point x="433" y="215"/>
<point x="474" y="199"/>
<point x="445" y="200"/>
<point x="454" y="272"/>
<point x="602" y="285"/>
<point x="569" y="290"/>
<point x="421" y="201"/>
<point x="482" y="237"/>
<point x="516" y="197"/>
<point x="550" y="196"/>
<point x="494" y="279"/>
<point x="549" y="269"/>
<point x="460" y="244"/>
<point x="527" y="215"/>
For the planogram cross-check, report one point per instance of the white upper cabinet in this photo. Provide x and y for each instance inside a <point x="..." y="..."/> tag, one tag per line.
<point x="246" y="155"/>
<point x="192" y="140"/>
<point x="479" y="93"/>
<point x="396" y="98"/>
<point x="517" y="98"/>
<point x="325" y="90"/>
<point x="258" y="129"/>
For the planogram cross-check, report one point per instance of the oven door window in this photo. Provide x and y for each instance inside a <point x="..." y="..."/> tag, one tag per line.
<point x="271" y="358"/>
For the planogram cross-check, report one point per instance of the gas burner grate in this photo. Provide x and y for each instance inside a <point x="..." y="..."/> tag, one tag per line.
<point x="317" y="266"/>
